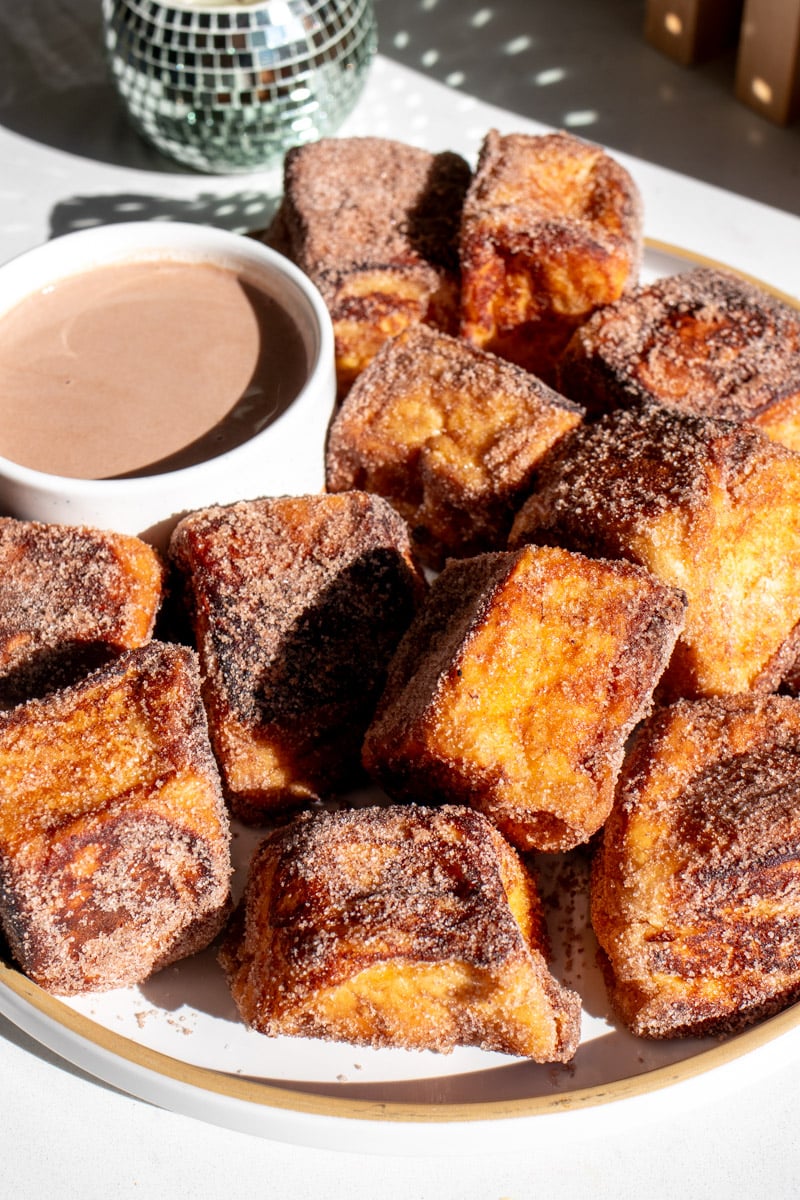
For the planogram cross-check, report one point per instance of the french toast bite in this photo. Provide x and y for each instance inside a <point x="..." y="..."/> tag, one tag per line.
<point x="449" y="435"/>
<point x="70" y="599"/>
<point x="516" y="687"/>
<point x="704" y="341"/>
<point x="551" y="229"/>
<point x="297" y="604"/>
<point x="374" y="223"/>
<point x="402" y="926"/>
<point x="708" y="506"/>
<point x="695" y="895"/>
<point x="114" y="839"/>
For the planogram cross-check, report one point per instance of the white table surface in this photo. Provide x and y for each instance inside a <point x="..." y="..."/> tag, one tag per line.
<point x="66" y="1135"/>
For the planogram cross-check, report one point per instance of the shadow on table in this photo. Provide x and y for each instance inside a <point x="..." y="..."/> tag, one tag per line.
<point x="244" y="211"/>
<point x="583" y="66"/>
<point x="55" y="86"/>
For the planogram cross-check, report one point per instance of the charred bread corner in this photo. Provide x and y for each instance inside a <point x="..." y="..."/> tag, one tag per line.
<point x="695" y="895"/>
<point x="297" y="604"/>
<point x="450" y="435"/>
<point x="374" y="223"/>
<point x="114" y="839"/>
<point x="705" y="341"/>
<point x="401" y="926"/>
<point x="708" y="506"/>
<point x="551" y="230"/>
<point x="516" y="687"/>
<point x="70" y="599"/>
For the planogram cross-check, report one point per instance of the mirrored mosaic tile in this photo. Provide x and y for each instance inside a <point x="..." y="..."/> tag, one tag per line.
<point x="229" y="91"/>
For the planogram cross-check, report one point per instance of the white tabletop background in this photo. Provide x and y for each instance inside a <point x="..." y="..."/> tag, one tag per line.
<point x="716" y="179"/>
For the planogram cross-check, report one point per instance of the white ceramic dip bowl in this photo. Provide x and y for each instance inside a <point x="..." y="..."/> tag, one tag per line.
<point x="285" y="457"/>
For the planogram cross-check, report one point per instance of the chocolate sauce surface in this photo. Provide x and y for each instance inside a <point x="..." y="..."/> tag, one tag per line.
<point x="143" y="367"/>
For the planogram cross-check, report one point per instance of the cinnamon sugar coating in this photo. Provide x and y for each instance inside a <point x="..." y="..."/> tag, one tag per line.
<point x="695" y="894"/>
<point x="450" y="435"/>
<point x="70" y="599"/>
<point x="551" y="230"/>
<point x="297" y="604"/>
<point x="709" y="506"/>
<point x="374" y="223"/>
<point x="400" y="926"/>
<point x="516" y="687"/>
<point x="704" y="341"/>
<point x="114" y="839"/>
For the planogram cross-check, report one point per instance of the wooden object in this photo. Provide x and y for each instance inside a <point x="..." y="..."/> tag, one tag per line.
<point x="692" y="30"/>
<point x="768" y="65"/>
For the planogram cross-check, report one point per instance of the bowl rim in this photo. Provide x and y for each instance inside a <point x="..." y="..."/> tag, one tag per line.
<point x="136" y="241"/>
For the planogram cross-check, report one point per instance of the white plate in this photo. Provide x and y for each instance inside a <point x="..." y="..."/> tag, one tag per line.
<point x="177" y="1041"/>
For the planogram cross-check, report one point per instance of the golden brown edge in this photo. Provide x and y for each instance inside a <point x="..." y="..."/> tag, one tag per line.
<point x="268" y="1095"/>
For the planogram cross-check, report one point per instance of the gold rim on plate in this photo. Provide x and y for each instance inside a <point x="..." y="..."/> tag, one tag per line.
<point x="84" y="1032"/>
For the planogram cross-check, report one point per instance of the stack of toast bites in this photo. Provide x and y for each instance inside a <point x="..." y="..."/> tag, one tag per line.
<point x="114" y="836"/>
<point x="298" y="605"/>
<point x="678" y="458"/>
<point x="546" y="602"/>
<point x="512" y="258"/>
<point x="374" y="223"/>
<point x="551" y="229"/>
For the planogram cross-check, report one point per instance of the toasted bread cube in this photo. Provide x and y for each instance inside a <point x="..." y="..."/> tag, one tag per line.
<point x="516" y="688"/>
<point x="402" y="926"/>
<point x="114" y="839"/>
<point x="70" y="599"/>
<point x="551" y="230"/>
<point x="708" y="506"/>
<point x="374" y="223"/>
<point x="695" y="895"/>
<point x="704" y="341"/>
<point x="449" y="435"/>
<point x="297" y="604"/>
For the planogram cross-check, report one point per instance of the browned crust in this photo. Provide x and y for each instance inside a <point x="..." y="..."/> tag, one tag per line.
<point x="297" y="604"/>
<point x="696" y="890"/>
<point x="374" y="223"/>
<point x="450" y="435"/>
<point x="516" y="687"/>
<point x="344" y="912"/>
<point x="707" y="505"/>
<point x="551" y="229"/>
<point x="704" y="341"/>
<point x="70" y="598"/>
<point x="114" y="840"/>
<point x="607" y="480"/>
<point x="355" y="204"/>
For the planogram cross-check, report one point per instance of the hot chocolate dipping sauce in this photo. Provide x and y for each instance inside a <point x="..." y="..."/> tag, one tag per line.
<point x="143" y="367"/>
